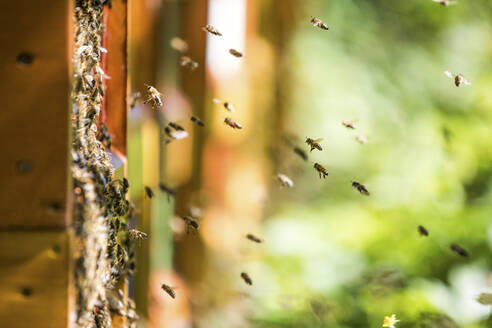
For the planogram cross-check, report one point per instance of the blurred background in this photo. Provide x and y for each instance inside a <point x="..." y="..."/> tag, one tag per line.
<point x="331" y="257"/>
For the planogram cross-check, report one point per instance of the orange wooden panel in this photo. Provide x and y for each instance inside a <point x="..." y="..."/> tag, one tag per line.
<point x="35" y="274"/>
<point x="34" y="117"/>
<point x="115" y="65"/>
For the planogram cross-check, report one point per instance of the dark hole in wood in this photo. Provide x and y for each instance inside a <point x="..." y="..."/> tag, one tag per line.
<point x="24" y="167"/>
<point x="56" y="248"/>
<point x="55" y="206"/>
<point x="25" y="59"/>
<point x="26" y="291"/>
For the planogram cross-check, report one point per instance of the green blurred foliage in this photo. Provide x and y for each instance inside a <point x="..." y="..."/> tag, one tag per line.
<point x="346" y="260"/>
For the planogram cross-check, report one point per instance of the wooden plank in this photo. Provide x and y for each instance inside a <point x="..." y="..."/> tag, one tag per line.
<point x="34" y="120"/>
<point x="35" y="273"/>
<point x="115" y="65"/>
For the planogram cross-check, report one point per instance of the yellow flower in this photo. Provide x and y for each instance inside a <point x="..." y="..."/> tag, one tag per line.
<point x="390" y="321"/>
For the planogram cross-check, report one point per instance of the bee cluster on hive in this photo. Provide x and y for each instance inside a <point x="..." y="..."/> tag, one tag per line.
<point x="103" y="251"/>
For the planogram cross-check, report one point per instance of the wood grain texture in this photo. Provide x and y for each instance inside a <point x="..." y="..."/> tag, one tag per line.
<point x="35" y="274"/>
<point x="34" y="118"/>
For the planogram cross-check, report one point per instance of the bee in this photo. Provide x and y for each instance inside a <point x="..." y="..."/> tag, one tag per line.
<point x="176" y="126"/>
<point x="459" y="250"/>
<point x="212" y="30"/>
<point x="167" y="190"/>
<point x="254" y="238"/>
<point x="179" y="44"/>
<point x="445" y="3"/>
<point x="149" y="192"/>
<point x="246" y="278"/>
<point x="361" y="188"/>
<point x="321" y="170"/>
<point x="104" y="137"/>
<point x="319" y="23"/>
<point x="485" y="298"/>
<point x="197" y="121"/>
<point x="175" y="131"/>
<point x="191" y="224"/>
<point x="227" y="105"/>
<point x="235" y="53"/>
<point x="137" y="234"/>
<point x="189" y="63"/>
<point x="232" y="124"/>
<point x="301" y="153"/>
<point x="361" y="139"/>
<point x="423" y="231"/>
<point x="314" y="144"/>
<point x="135" y="99"/>
<point x="169" y="290"/>
<point x="153" y="97"/>
<point x="458" y="78"/>
<point x="348" y="124"/>
<point x="285" y="181"/>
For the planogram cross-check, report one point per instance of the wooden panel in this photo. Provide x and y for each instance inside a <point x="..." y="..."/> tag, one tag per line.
<point x="115" y="65"/>
<point x="34" y="118"/>
<point x="35" y="273"/>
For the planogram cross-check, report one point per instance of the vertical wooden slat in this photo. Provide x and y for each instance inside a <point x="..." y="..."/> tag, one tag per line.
<point x="34" y="130"/>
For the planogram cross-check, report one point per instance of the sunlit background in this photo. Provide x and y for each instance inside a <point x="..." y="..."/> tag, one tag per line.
<point x="331" y="257"/>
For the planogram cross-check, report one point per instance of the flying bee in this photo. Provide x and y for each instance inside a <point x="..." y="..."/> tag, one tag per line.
<point x="254" y="238"/>
<point x="153" y="97"/>
<point x="321" y="170"/>
<point x="301" y="153"/>
<point x="189" y="63"/>
<point x="361" y="139"/>
<point x="197" y="121"/>
<point x="319" y="23"/>
<point x="458" y="78"/>
<point x="135" y="99"/>
<point x="137" y="234"/>
<point x="176" y="126"/>
<point x="169" y="290"/>
<point x="246" y="278"/>
<point x="485" y="298"/>
<point x="235" y="53"/>
<point x="212" y="30"/>
<point x="167" y="190"/>
<point x="179" y="44"/>
<point x="232" y="124"/>
<point x="191" y="224"/>
<point x="227" y="105"/>
<point x="348" y="124"/>
<point x="149" y="192"/>
<point x="445" y="3"/>
<point x="361" y="188"/>
<point x="459" y="250"/>
<point x="423" y="231"/>
<point x="314" y="144"/>
<point x="175" y="131"/>
<point x="285" y="181"/>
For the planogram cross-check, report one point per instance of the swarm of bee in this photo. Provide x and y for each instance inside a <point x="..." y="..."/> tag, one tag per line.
<point x="100" y="205"/>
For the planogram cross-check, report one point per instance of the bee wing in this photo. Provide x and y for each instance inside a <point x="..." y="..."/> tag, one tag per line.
<point x="318" y="140"/>
<point x="449" y="74"/>
<point x="179" y="134"/>
<point x="437" y="1"/>
<point x="465" y="81"/>
<point x="217" y="101"/>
